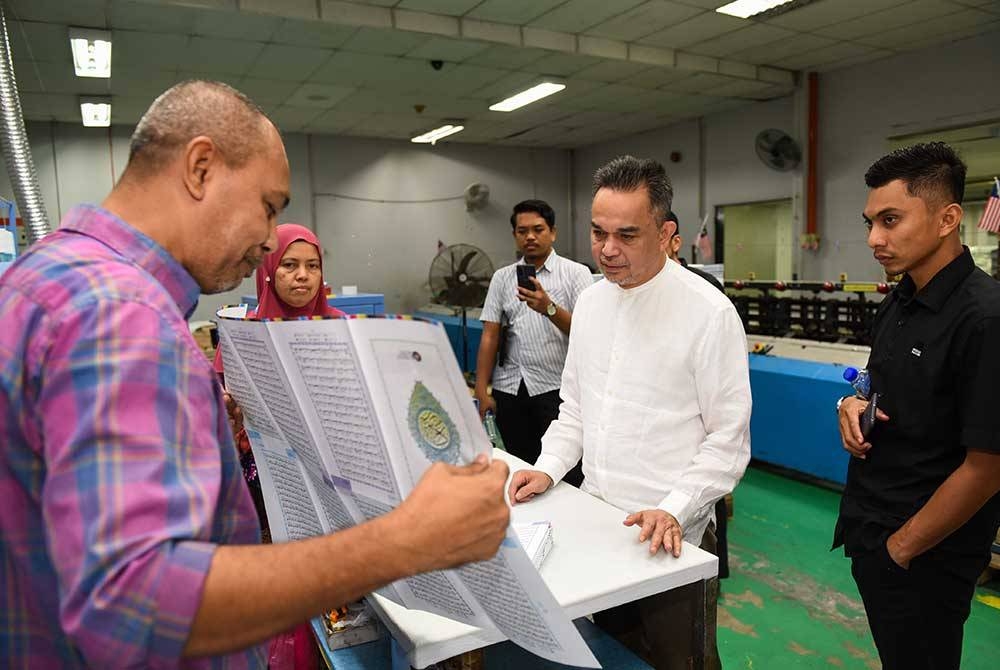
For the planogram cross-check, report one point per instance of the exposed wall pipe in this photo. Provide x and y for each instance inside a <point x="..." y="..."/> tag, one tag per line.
<point x="811" y="225"/>
<point x="16" y="151"/>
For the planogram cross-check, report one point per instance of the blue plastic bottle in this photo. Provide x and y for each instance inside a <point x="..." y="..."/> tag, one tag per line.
<point x="860" y="380"/>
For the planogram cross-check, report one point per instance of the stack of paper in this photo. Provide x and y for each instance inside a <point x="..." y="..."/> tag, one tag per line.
<point x="536" y="538"/>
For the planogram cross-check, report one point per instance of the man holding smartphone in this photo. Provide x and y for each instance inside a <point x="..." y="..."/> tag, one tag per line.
<point x="921" y="504"/>
<point x="534" y="298"/>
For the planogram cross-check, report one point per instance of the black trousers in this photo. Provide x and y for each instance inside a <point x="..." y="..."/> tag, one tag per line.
<point x="523" y="419"/>
<point x="917" y="615"/>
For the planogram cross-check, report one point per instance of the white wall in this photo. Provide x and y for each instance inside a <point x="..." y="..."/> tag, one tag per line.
<point x="732" y="171"/>
<point x="860" y="107"/>
<point x="382" y="206"/>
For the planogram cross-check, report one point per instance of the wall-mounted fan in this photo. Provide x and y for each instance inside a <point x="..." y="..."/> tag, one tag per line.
<point x="777" y="150"/>
<point x="460" y="276"/>
<point x="476" y="196"/>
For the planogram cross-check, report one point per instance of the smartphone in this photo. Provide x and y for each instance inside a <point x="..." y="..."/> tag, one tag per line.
<point x="524" y="274"/>
<point x="868" y="417"/>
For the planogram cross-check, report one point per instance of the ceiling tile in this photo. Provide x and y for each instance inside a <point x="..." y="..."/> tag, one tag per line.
<point x="449" y="7"/>
<point x="57" y="78"/>
<point x="886" y="20"/>
<point x="518" y="12"/>
<point x="127" y="108"/>
<point x="612" y="70"/>
<point x="702" y="27"/>
<point x="772" y="53"/>
<point x="267" y="91"/>
<point x="141" y="82"/>
<point x="383" y="41"/>
<point x="655" y="77"/>
<point x="446" y="48"/>
<point x="576" y="16"/>
<point x="312" y="33"/>
<point x="649" y="17"/>
<point x="744" y="38"/>
<point x="758" y="90"/>
<point x="44" y="106"/>
<point x="829" y="54"/>
<point x="374" y="71"/>
<point x="873" y="55"/>
<point x="320" y="96"/>
<point x="83" y="13"/>
<point x="215" y="55"/>
<point x="826" y="12"/>
<point x="701" y="82"/>
<point x="152" y="18"/>
<point x="283" y="61"/>
<point x="461" y="80"/>
<point x="154" y="50"/>
<point x="505" y="86"/>
<point x="236" y="25"/>
<point x="954" y="36"/>
<point x="507" y="57"/>
<point x="292" y="119"/>
<point x="231" y="79"/>
<point x="47" y="42"/>
<point x="906" y="36"/>
<point x="561" y="65"/>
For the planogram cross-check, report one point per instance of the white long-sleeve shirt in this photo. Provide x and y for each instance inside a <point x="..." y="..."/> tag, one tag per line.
<point x="656" y="398"/>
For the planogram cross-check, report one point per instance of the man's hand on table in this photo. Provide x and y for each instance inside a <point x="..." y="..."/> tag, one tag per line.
<point x="660" y="528"/>
<point x="526" y="484"/>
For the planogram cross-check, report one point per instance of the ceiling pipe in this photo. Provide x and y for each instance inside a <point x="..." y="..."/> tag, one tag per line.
<point x="16" y="150"/>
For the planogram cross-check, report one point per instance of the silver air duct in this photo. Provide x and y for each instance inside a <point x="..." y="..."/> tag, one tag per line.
<point x="16" y="152"/>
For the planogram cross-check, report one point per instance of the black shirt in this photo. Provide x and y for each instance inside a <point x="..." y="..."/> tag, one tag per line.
<point x="935" y="362"/>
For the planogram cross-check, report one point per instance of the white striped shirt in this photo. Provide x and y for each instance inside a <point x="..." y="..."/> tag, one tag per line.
<point x="536" y="348"/>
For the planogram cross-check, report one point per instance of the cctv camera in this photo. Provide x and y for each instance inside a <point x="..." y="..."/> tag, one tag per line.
<point x="437" y="64"/>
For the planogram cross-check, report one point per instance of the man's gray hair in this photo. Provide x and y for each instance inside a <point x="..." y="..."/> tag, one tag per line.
<point x="193" y="108"/>
<point x="628" y="173"/>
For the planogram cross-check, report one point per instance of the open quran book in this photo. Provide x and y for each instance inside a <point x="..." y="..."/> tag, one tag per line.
<point x="344" y="416"/>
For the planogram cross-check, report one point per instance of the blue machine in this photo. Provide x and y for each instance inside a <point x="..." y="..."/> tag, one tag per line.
<point x="453" y="327"/>
<point x="793" y="423"/>
<point x="8" y="245"/>
<point x="361" y="303"/>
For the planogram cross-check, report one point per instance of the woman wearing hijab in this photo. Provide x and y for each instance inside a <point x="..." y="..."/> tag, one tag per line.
<point x="289" y="286"/>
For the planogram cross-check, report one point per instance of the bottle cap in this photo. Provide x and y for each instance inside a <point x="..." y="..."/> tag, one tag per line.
<point x="850" y="374"/>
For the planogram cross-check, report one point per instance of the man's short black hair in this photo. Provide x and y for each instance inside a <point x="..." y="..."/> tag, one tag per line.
<point x="628" y="174"/>
<point x="539" y="207"/>
<point x="930" y="171"/>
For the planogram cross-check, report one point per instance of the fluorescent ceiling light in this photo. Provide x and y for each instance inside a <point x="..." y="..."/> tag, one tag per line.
<point x="527" y="97"/>
<point x="91" y="52"/>
<point x="432" y="136"/>
<point x="747" y="8"/>
<point x="96" y="112"/>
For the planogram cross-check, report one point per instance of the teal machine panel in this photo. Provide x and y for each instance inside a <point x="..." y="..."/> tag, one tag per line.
<point x="794" y="423"/>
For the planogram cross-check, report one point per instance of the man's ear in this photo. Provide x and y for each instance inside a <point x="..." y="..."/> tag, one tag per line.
<point x="201" y="160"/>
<point x="951" y="217"/>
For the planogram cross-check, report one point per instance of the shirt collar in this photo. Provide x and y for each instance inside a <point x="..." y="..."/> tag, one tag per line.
<point x="137" y="248"/>
<point x="941" y="286"/>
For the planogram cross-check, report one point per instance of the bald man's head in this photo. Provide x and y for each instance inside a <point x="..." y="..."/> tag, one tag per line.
<point x="236" y="125"/>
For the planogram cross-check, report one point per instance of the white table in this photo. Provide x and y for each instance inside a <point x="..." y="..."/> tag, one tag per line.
<point x="595" y="563"/>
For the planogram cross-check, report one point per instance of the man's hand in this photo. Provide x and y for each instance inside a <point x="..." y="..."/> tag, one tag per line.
<point x="537" y="300"/>
<point x="526" y="484"/>
<point x="234" y="413"/>
<point x="486" y="403"/>
<point x="454" y="515"/>
<point x="850" y="426"/>
<point x="660" y="528"/>
<point x="896" y="552"/>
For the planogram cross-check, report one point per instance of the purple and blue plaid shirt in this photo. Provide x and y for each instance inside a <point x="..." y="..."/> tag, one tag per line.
<point x="118" y="474"/>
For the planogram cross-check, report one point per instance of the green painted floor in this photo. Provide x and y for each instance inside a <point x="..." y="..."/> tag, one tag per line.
<point x="791" y="603"/>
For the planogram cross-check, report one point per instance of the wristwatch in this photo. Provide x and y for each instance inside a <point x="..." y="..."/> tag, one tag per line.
<point x="551" y="309"/>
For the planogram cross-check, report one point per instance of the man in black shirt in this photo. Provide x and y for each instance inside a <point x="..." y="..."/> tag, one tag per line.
<point x="921" y="504"/>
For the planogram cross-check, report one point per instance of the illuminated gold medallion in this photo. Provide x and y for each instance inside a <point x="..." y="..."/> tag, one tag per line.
<point x="431" y="426"/>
